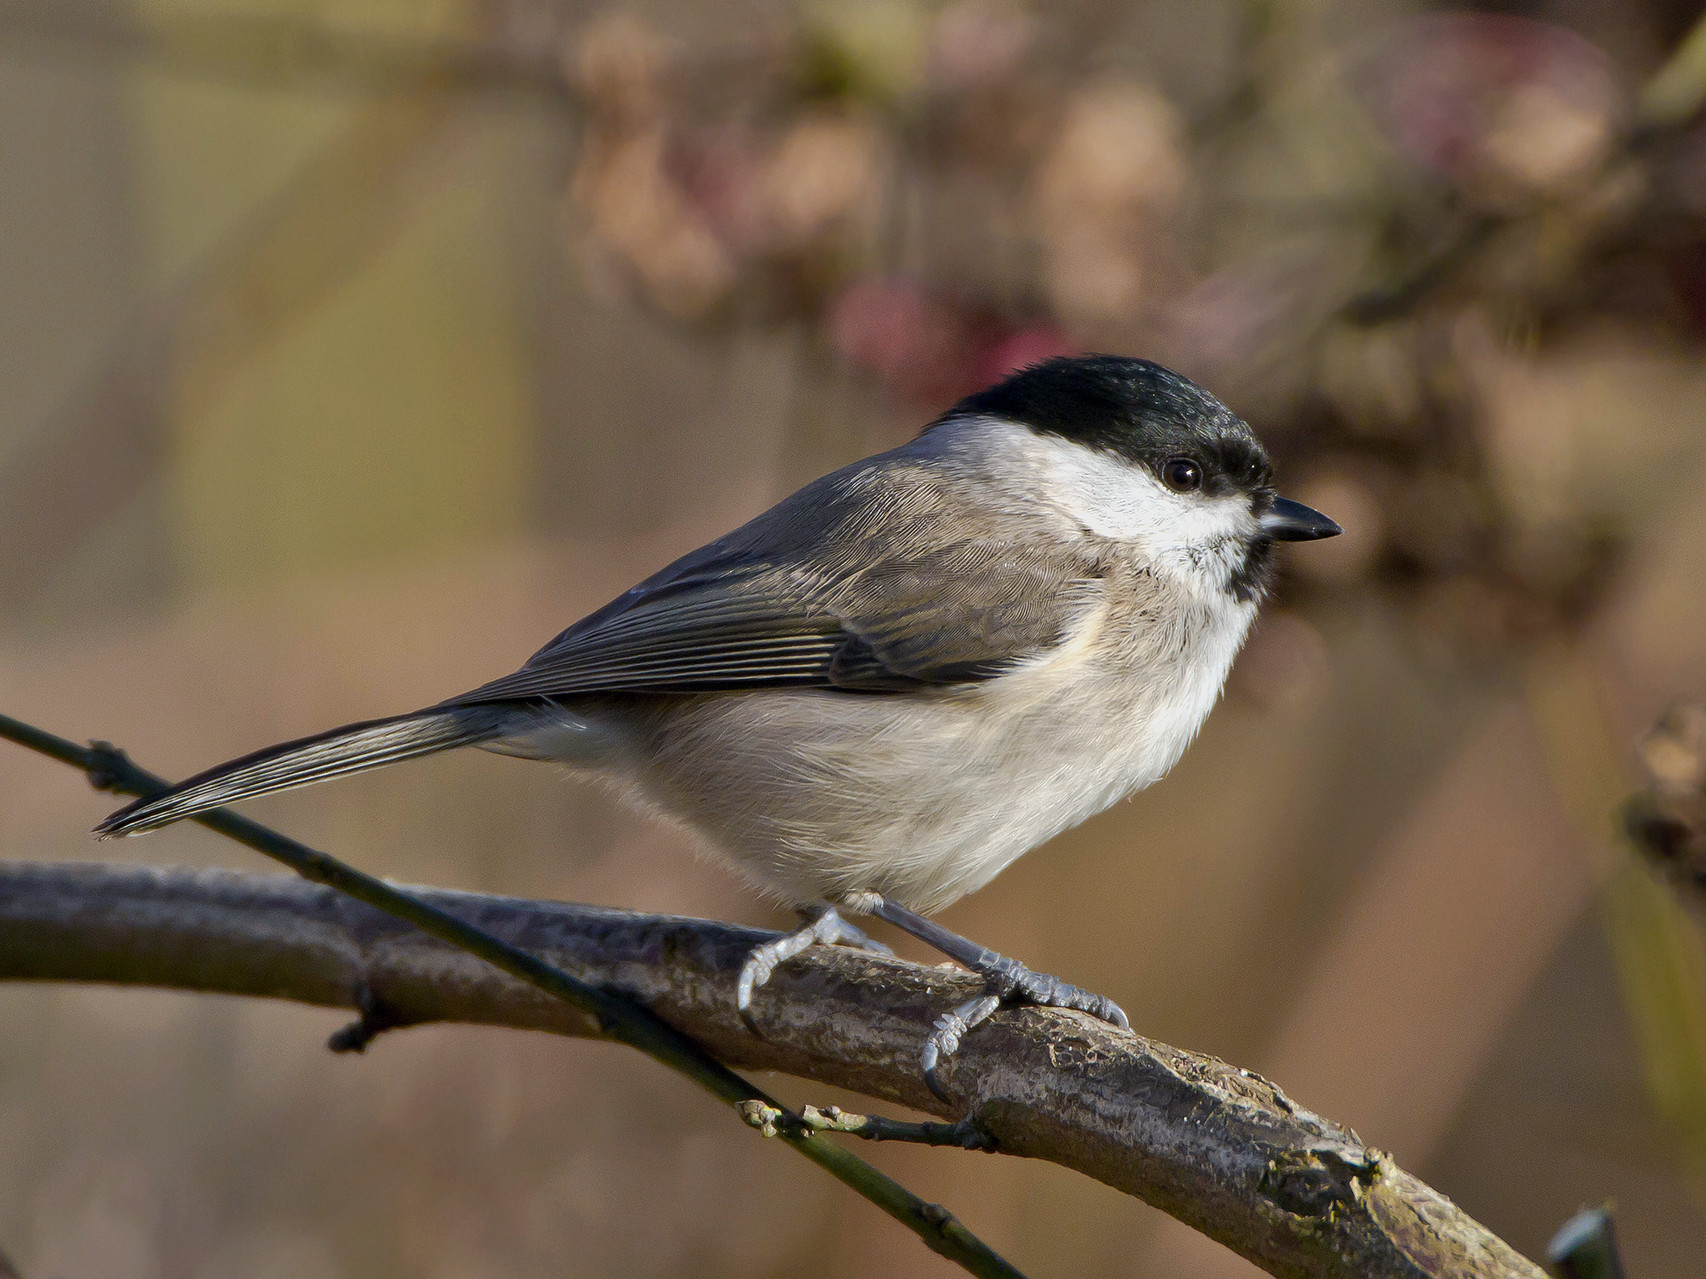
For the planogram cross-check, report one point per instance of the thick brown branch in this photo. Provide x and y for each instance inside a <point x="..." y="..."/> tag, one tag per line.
<point x="1219" y="1148"/>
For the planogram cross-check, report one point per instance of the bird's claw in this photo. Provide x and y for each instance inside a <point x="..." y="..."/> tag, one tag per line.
<point x="946" y="1033"/>
<point x="826" y="928"/>
<point x="1009" y="982"/>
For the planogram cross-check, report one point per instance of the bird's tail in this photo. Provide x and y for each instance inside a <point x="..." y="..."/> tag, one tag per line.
<point x="354" y="748"/>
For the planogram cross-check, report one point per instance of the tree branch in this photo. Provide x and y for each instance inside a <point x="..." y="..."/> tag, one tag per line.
<point x="1219" y="1148"/>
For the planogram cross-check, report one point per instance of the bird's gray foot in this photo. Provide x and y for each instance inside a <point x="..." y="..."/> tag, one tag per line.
<point x="822" y="927"/>
<point x="1007" y="981"/>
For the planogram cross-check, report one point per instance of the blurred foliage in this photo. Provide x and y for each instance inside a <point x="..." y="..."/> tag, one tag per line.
<point x="1666" y="970"/>
<point x="1454" y="257"/>
<point x="1667" y="819"/>
<point x="1383" y="243"/>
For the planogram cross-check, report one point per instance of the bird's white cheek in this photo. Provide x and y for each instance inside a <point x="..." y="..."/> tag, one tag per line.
<point x="1121" y="501"/>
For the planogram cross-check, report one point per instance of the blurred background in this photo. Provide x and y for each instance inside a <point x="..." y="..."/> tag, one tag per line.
<point x="349" y="351"/>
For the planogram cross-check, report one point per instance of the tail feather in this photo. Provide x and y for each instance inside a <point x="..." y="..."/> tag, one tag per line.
<point x="354" y="748"/>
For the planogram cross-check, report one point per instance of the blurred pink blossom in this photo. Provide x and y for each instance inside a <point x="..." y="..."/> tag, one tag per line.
<point x="1230" y="318"/>
<point x="929" y="348"/>
<point x="1502" y="104"/>
<point x="912" y="341"/>
<point x="979" y="42"/>
<point x="1015" y="350"/>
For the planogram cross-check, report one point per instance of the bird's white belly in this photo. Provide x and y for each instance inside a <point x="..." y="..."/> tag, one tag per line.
<point x="817" y="795"/>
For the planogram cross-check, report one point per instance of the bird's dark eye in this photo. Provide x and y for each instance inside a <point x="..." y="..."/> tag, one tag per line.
<point x="1181" y="475"/>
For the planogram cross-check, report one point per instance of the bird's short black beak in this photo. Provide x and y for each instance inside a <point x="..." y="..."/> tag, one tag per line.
<point x="1289" y="521"/>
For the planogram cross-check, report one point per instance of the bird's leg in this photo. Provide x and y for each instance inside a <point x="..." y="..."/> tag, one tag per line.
<point x="823" y="926"/>
<point x="1008" y="981"/>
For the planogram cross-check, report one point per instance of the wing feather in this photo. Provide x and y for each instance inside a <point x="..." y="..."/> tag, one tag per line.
<point x="863" y="581"/>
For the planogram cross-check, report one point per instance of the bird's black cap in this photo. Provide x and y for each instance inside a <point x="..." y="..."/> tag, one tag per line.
<point x="1133" y="408"/>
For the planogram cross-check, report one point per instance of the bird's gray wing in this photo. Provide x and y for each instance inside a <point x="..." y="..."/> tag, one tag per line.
<point x="864" y="581"/>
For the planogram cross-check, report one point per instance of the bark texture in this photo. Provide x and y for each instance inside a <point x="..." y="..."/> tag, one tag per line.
<point x="1220" y="1148"/>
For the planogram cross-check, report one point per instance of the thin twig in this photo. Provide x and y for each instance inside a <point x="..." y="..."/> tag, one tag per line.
<point x="1396" y="297"/>
<point x="965" y="1134"/>
<point x="1219" y="1148"/>
<point x="618" y="1017"/>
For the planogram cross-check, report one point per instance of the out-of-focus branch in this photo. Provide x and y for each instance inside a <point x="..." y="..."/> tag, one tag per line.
<point x="1675" y="93"/>
<point x="1220" y="1148"/>
<point x="1586" y="1247"/>
<point x="1666" y="821"/>
<point x="1396" y="297"/>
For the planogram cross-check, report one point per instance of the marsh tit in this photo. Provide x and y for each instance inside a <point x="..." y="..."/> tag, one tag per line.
<point x="877" y="694"/>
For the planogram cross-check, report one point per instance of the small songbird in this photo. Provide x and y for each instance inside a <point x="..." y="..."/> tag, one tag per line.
<point x="877" y="694"/>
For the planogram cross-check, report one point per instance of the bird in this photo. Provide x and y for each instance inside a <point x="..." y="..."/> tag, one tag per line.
<point x="873" y="697"/>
